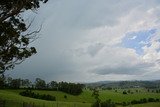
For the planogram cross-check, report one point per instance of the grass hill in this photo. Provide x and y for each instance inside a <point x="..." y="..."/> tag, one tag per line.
<point x="83" y="100"/>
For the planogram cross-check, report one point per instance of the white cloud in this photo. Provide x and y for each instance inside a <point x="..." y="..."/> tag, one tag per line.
<point x="81" y="40"/>
<point x="132" y="38"/>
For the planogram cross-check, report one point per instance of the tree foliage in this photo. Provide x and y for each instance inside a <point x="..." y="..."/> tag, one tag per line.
<point x="70" y="88"/>
<point x="40" y="84"/>
<point x="29" y="93"/>
<point x="14" y="39"/>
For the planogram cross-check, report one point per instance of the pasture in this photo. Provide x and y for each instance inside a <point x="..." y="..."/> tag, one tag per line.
<point x="83" y="100"/>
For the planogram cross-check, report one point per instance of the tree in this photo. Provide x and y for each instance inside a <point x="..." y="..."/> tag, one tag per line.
<point x="70" y="88"/>
<point x="25" y="83"/>
<point x="2" y="82"/>
<point x="14" y="39"/>
<point x="15" y="83"/>
<point x="124" y="92"/>
<point x="8" y="81"/>
<point x="95" y="94"/>
<point x="40" y="84"/>
<point x="54" y="85"/>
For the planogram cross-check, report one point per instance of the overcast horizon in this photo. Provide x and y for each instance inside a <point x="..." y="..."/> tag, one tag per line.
<point x="94" y="40"/>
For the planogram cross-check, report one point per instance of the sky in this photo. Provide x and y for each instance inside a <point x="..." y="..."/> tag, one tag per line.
<point x="94" y="40"/>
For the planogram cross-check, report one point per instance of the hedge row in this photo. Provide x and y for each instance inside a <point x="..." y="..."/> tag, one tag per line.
<point x="29" y="93"/>
<point x="141" y="101"/>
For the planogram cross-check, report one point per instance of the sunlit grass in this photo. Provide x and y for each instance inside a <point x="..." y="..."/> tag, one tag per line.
<point x="83" y="100"/>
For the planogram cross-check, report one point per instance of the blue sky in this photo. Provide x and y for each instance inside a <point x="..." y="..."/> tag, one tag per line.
<point x="94" y="40"/>
<point x="137" y="40"/>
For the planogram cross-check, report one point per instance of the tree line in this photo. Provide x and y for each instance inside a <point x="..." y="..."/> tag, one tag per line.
<point x="40" y="84"/>
<point x="29" y="93"/>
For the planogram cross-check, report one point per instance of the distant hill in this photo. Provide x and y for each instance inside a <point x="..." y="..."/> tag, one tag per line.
<point x="125" y="84"/>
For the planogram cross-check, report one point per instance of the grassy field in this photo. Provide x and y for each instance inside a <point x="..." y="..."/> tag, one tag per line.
<point x="144" y="105"/>
<point x="83" y="100"/>
<point x="15" y="100"/>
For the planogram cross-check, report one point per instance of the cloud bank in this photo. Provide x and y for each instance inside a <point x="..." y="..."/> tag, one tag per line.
<point x="96" y="40"/>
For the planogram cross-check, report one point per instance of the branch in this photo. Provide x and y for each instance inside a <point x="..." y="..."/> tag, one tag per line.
<point x="14" y="11"/>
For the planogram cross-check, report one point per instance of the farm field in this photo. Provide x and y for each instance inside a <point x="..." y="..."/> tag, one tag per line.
<point x="83" y="100"/>
<point x="144" y="105"/>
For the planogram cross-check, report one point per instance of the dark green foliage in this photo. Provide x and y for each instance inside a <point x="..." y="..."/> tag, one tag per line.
<point x="144" y="100"/>
<point x="129" y="91"/>
<point x="95" y="104"/>
<point x="2" y="82"/>
<point x="157" y="91"/>
<point x="124" y="92"/>
<point x="134" y="102"/>
<point x="40" y="84"/>
<point x="53" y="85"/>
<point x="151" y="100"/>
<point x="141" y="101"/>
<point x="29" y="93"/>
<point x="14" y="40"/>
<point x="15" y="83"/>
<point x="95" y="94"/>
<point x="106" y="103"/>
<point x="70" y="88"/>
<point x="124" y="103"/>
<point x="157" y="100"/>
<point x="109" y="88"/>
<point x="65" y="96"/>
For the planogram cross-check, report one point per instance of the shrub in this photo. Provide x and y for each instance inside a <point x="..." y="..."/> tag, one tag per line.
<point x="124" y="104"/>
<point x="29" y="93"/>
<point x="151" y="100"/>
<point x="157" y="100"/>
<point x="106" y="103"/>
<point x="124" y="92"/>
<point x="95" y="104"/>
<point x="134" y="102"/>
<point x="144" y="100"/>
<point x="65" y="96"/>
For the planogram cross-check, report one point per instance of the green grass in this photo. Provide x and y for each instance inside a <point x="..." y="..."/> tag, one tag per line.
<point x="83" y="100"/>
<point x="15" y="100"/>
<point x="119" y="97"/>
<point x="144" y="105"/>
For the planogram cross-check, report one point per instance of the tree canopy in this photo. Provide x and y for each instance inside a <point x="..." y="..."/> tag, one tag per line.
<point x="14" y="39"/>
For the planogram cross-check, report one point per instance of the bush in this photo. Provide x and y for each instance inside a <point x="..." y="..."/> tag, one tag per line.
<point x="29" y="93"/>
<point x="157" y="100"/>
<point x="106" y="103"/>
<point x="95" y="104"/>
<point x="124" y="92"/>
<point x="124" y="104"/>
<point x="151" y="100"/>
<point x="134" y="102"/>
<point x="65" y="96"/>
<point x="144" y="100"/>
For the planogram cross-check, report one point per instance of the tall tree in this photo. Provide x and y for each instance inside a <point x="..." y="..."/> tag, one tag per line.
<point x="95" y="94"/>
<point x="14" y="40"/>
<point x="15" y="83"/>
<point x="54" y="85"/>
<point x="40" y="84"/>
